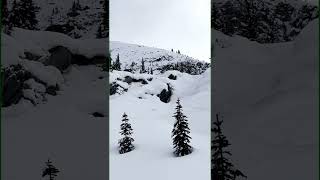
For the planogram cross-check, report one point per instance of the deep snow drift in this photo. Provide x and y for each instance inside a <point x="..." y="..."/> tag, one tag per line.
<point x="269" y="99"/>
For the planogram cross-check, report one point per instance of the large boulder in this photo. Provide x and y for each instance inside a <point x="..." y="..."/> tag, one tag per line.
<point x="99" y="60"/>
<point x="60" y="28"/>
<point x="130" y="80"/>
<point x="83" y="60"/>
<point x="60" y="57"/>
<point x="116" y="88"/>
<point x="165" y="94"/>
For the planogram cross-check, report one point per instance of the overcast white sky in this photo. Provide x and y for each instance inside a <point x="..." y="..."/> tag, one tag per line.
<point x="177" y="24"/>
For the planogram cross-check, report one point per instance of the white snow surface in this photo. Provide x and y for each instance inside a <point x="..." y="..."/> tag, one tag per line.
<point x="152" y="124"/>
<point x="129" y="53"/>
<point x="269" y="99"/>
<point x="39" y="42"/>
<point x="62" y="129"/>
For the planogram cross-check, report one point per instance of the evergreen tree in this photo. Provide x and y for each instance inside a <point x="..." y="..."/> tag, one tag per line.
<point x="107" y="66"/>
<point x="222" y="169"/>
<point x="15" y="17"/>
<point x="78" y="5"/>
<point x="178" y="51"/>
<point x="50" y="170"/>
<point x="73" y="12"/>
<point x="143" y="69"/>
<point x="180" y="132"/>
<point x="52" y="16"/>
<point x="133" y="64"/>
<point x="99" y="34"/>
<point x="24" y="14"/>
<point x="117" y="64"/>
<point x="151" y="71"/>
<point x="103" y="30"/>
<point x="5" y="17"/>
<point x="125" y="144"/>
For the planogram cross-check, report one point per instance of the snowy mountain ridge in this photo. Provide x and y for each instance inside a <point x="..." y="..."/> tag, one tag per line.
<point x="159" y="60"/>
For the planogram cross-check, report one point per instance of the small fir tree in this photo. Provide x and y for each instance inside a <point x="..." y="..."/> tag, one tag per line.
<point x="180" y="133"/>
<point x="28" y="17"/>
<point x="78" y="5"/>
<point x="103" y="31"/>
<point x="125" y="144"/>
<point x="50" y="170"/>
<point x="222" y="168"/>
<point x="15" y="16"/>
<point x="6" y="25"/>
<point x="117" y="64"/>
<point x="73" y="11"/>
<point x="143" y="69"/>
<point x="99" y="34"/>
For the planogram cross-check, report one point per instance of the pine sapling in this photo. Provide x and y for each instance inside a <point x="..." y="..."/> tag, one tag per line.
<point x="222" y="168"/>
<point x="180" y="133"/>
<point x="125" y="144"/>
<point x="50" y="170"/>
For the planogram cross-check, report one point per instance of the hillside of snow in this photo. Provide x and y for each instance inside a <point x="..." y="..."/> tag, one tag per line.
<point x="131" y="56"/>
<point x="59" y="112"/>
<point x="268" y="21"/>
<point x="268" y="96"/>
<point x="55" y="12"/>
<point x="49" y="110"/>
<point x="152" y="124"/>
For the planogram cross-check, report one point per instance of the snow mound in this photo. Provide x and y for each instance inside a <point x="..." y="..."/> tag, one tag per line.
<point x="39" y="42"/>
<point x="47" y="74"/>
<point x="11" y="50"/>
<point x="308" y="39"/>
<point x="148" y="115"/>
<point x="267" y="95"/>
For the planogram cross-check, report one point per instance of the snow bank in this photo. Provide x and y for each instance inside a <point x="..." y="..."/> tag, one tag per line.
<point x="148" y="115"/>
<point x="39" y="42"/>
<point x="307" y="42"/>
<point x="48" y="74"/>
<point x="267" y="95"/>
<point x="11" y="51"/>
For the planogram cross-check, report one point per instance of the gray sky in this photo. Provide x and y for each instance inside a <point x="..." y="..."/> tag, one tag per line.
<point x="177" y="24"/>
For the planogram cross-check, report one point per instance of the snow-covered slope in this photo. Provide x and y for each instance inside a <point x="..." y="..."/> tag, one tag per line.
<point x="139" y="95"/>
<point x="86" y="23"/>
<point x="268" y="21"/>
<point x="152" y="124"/>
<point x="62" y="129"/>
<point x="160" y="60"/>
<point x="268" y="96"/>
<point x="54" y="115"/>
